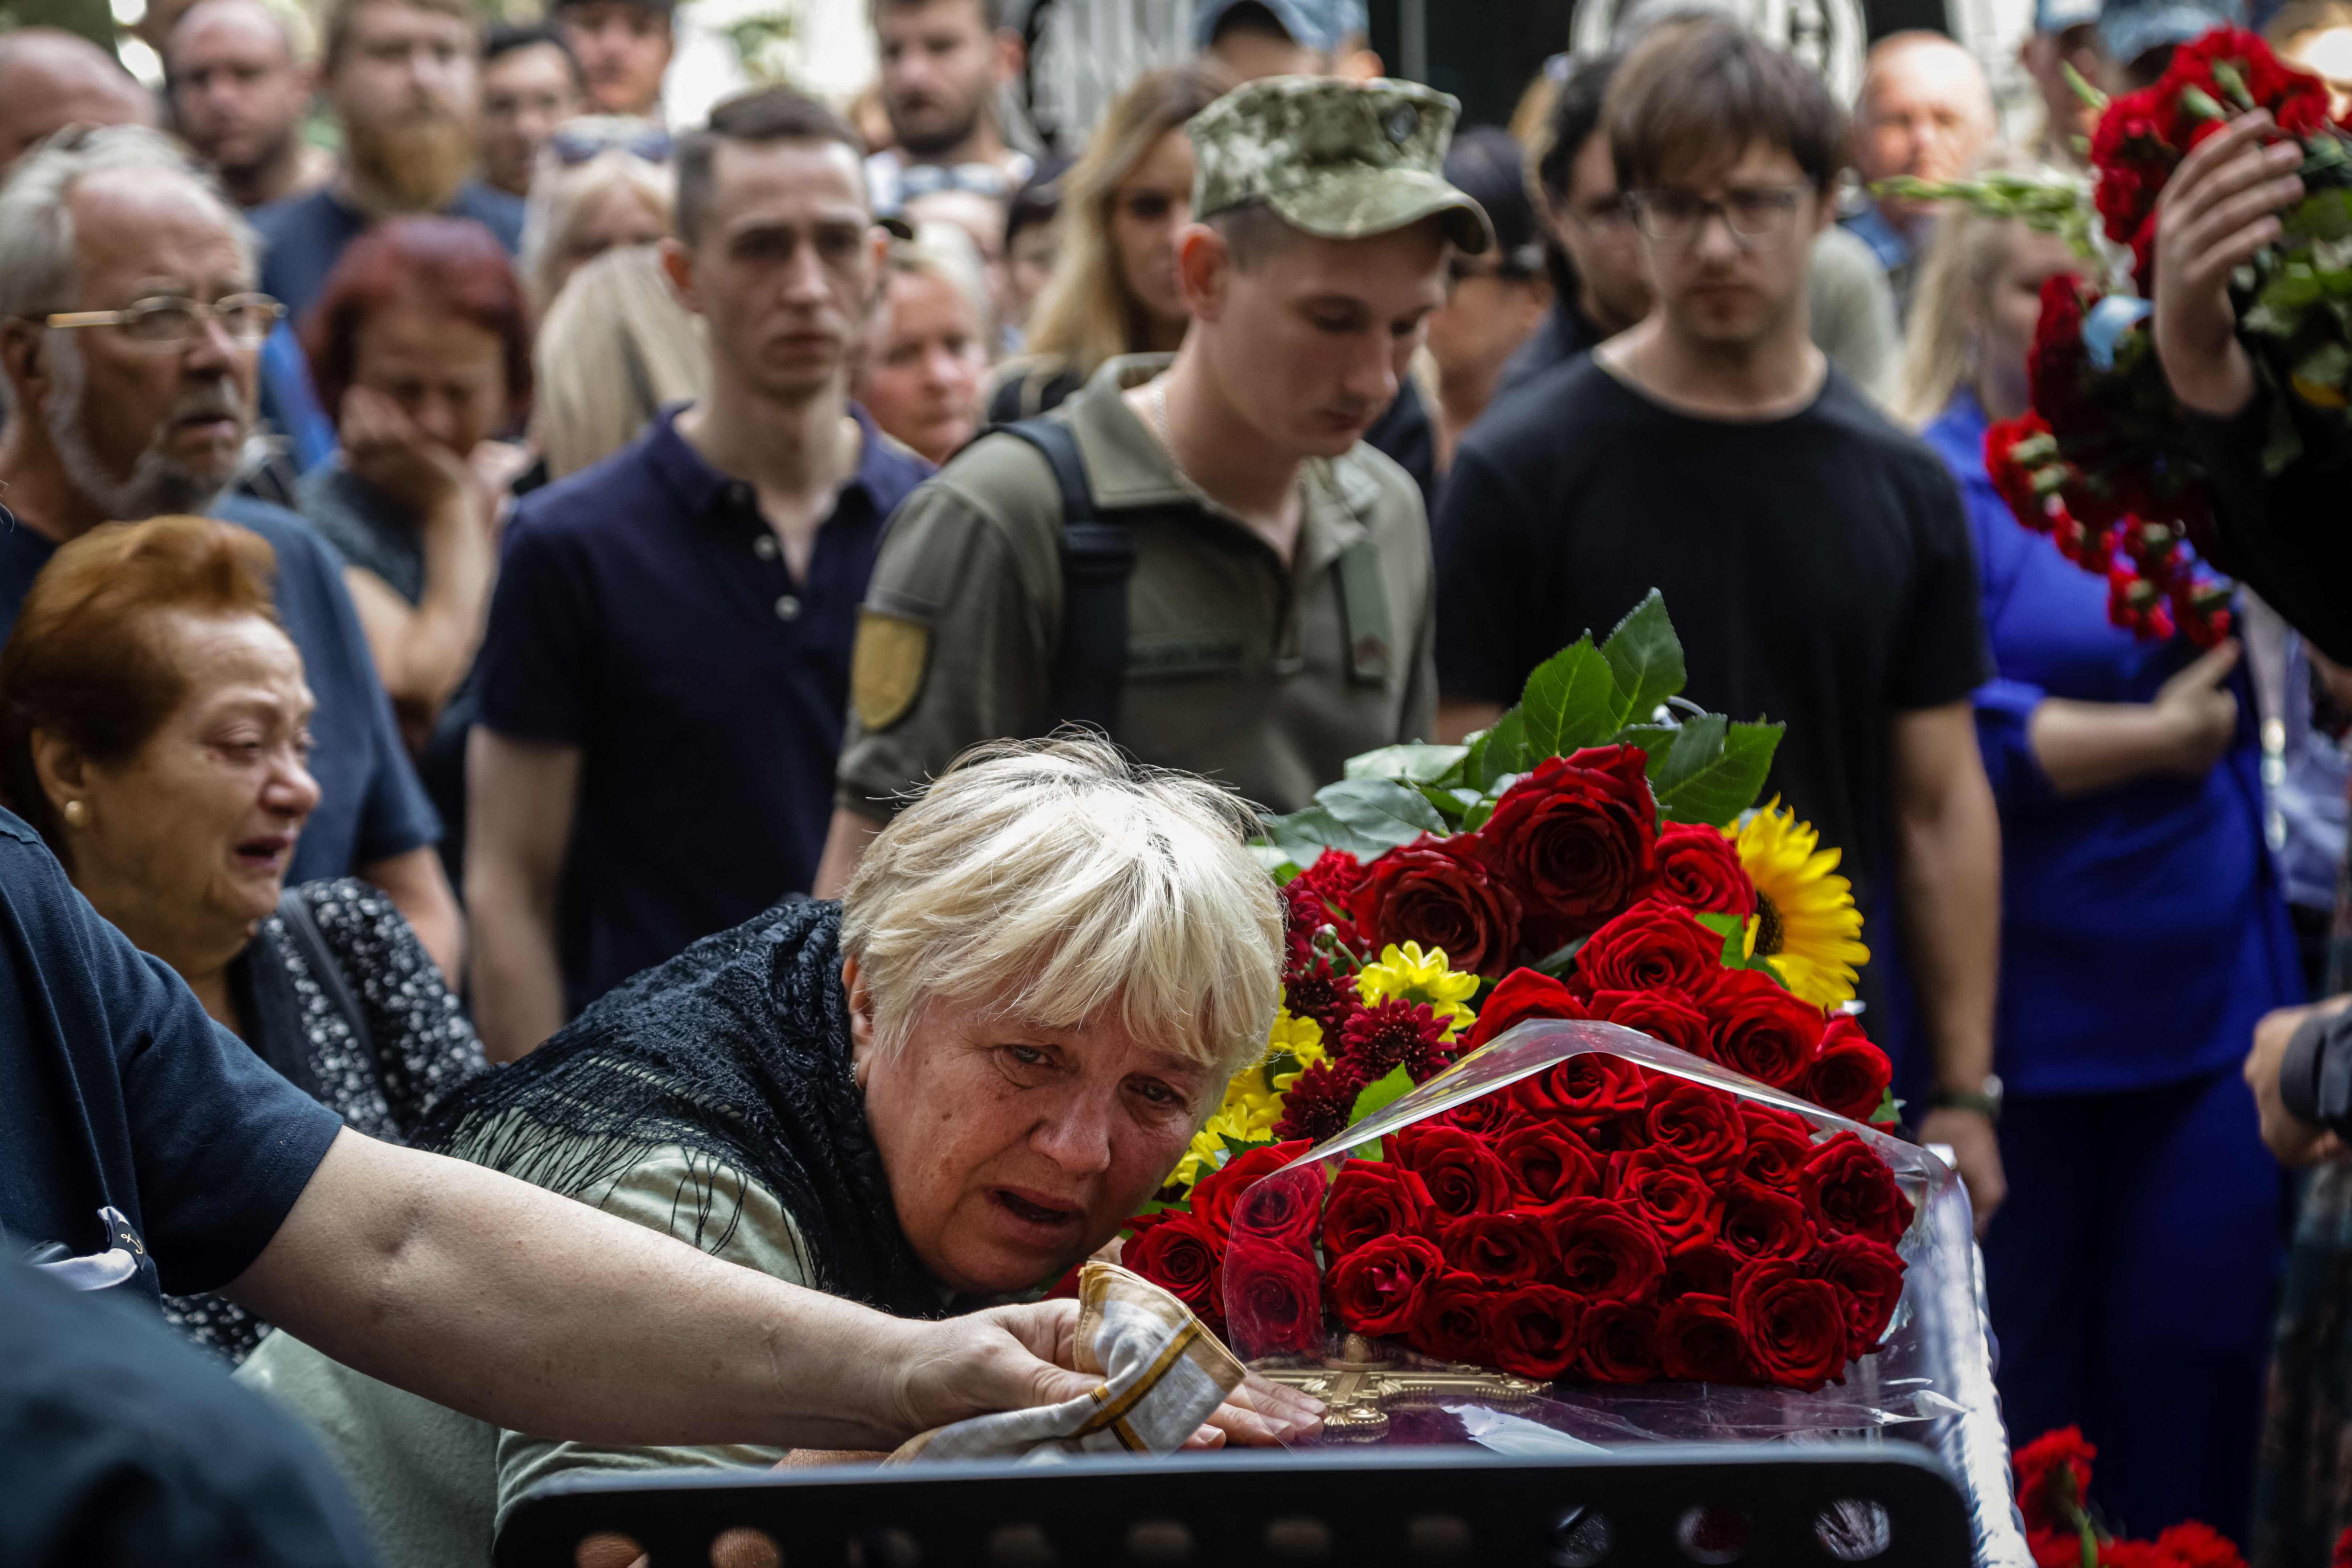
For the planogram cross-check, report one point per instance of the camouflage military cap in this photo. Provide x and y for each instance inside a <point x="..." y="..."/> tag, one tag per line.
<point x="1344" y="160"/>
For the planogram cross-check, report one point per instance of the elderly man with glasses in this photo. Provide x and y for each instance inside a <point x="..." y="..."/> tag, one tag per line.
<point x="1816" y="559"/>
<point x="130" y="327"/>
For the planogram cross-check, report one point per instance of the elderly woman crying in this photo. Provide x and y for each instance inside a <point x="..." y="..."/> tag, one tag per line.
<point x="935" y="1096"/>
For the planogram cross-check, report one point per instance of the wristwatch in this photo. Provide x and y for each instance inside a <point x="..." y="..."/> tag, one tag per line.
<point x="1984" y="1101"/>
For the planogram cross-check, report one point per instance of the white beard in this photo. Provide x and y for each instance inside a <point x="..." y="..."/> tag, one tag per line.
<point x="158" y="483"/>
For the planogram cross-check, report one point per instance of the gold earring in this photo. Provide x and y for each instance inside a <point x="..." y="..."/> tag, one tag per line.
<point x="75" y="813"/>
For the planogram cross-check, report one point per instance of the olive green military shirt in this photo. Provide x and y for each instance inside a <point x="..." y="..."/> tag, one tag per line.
<point x="1263" y="675"/>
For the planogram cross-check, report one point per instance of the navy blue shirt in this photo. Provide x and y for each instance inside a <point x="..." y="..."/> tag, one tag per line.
<point x="644" y="613"/>
<point x="371" y="806"/>
<point x="120" y="1092"/>
<point x="2144" y="928"/>
<point x="303" y="236"/>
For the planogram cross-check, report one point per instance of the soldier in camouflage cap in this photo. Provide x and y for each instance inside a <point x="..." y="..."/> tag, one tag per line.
<point x="1338" y="159"/>
<point x="1267" y="613"/>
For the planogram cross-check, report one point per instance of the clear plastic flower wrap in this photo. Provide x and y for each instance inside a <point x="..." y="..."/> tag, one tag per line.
<point x="1929" y="1381"/>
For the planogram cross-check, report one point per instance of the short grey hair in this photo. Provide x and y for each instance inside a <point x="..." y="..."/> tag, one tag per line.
<point x="1056" y="880"/>
<point x="36" y="232"/>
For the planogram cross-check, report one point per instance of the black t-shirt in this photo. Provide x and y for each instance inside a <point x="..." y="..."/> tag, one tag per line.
<point x="117" y="1090"/>
<point x="121" y="1444"/>
<point x="1818" y="568"/>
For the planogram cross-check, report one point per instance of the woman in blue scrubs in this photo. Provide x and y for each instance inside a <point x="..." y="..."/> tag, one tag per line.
<point x="2144" y="931"/>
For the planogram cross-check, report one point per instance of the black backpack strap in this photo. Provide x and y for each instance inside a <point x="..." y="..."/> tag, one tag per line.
<point x="1097" y="558"/>
<point x="302" y="933"/>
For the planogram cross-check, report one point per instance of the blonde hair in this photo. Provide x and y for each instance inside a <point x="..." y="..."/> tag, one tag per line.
<point x="1085" y="314"/>
<point x="1055" y="880"/>
<point x="561" y="197"/>
<point x="1964" y="259"/>
<point x="945" y="251"/>
<point x="615" y="349"/>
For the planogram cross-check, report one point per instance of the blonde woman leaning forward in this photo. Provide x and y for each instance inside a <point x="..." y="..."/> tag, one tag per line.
<point x="1114" y="289"/>
<point x="939" y="1094"/>
<point x="615" y="349"/>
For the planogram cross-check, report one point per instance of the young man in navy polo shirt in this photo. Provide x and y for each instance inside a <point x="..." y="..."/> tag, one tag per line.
<point x="667" y="666"/>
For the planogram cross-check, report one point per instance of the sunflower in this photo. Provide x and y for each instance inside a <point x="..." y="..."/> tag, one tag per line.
<point x="1805" y="921"/>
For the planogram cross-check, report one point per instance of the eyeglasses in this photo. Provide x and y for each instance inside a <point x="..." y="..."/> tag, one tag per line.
<point x="1611" y="215"/>
<point x="1761" y="218"/>
<point x="576" y="144"/>
<point x="169" y="321"/>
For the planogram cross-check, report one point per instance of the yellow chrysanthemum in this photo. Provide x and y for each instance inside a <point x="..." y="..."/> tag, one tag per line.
<point x="1806" y="921"/>
<point x="1252" y="1101"/>
<point x="1416" y="975"/>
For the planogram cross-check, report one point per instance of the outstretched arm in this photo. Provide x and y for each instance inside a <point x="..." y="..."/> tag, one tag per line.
<point x="537" y="1313"/>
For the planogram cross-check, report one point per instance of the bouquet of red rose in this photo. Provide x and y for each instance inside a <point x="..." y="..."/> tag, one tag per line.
<point x="2062" y="1531"/>
<point x="1597" y="1218"/>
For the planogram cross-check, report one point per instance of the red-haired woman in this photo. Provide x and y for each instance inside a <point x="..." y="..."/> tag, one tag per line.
<point x="154" y="733"/>
<point x="420" y="348"/>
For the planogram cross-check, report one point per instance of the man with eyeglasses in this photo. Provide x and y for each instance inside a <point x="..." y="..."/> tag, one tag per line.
<point x="1815" y="560"/>
<point x="402" y="77"/>
<point x="129" y="349"/>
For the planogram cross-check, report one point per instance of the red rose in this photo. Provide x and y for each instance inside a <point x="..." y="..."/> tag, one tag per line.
<point x="1650" y="947"/>
<point x="1318" y="898"/>
<point x="2195" y="1544"/>
<point x="1761" y="1030"/>
<point x="1869" y="1275"/>
<point x="1215" y="1195"/>
<point x="1180" y="1257"/>
<point x="1699" y="869"/>
<point x="1372" y="1198"/>
<point x="1662" y="1015"/>
<point x="1377" y="1288"/>
<point x="1699" y="1341"/>
<point x="1778" y="1145"/>
<point x="1697" y="1125"/>
<point x="1794" y="1326"/>
<point x="1677" y="1200"/>
<point x="1848" y="1190"/>
<point x="1588" y="1091"/>
<point x="1606" y="1251"/>
<point x="1437" y="892"/>
<point x="1760" y="1223"/>
<point x="1533" y="1330"/>
<point x="1509" y="1248"/>
<point x="2053" y="1478"/>
<point x="1577" y="839"/>
<point x="1523" y="994"/>
<point x="1453" y="1321"/>
<point x="1273" y="1300"/>
<point x="1618" y="1342"/>
<point x="1547" y="1162"/>
<point x="1489" y="1117"/>
<point x="1460" y="1173"/>
<point x="1851" y="1075"/>
<point x="1701" y="1269"/>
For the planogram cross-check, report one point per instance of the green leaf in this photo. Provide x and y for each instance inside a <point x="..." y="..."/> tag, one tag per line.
<point x="1889" y="1108"/>
<point x="1379" y="811"/>
<point x="1451" y="803"/>
<point x="1559" y="960"/>
<point x="1656" y="740"/>
<point x="1407" y="765"/>
<point x="1376" y="1097"/>
<point x="1715" y="769"/>
<point x="1182" y="1205"/>
<point x="1646" y="658"/>
<point x="1570" y="701"/>
<point x="1733" y="933"/>
<point x="1499" y="753"/>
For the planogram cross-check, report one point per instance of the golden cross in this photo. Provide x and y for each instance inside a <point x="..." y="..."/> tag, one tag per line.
<point x="1358" y="1387"/>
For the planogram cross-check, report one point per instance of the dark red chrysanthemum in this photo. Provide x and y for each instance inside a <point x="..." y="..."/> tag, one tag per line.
<point x="1320" y="1103"/>
<point x="1318" y="991"/>
<point x="1379" y="1040"/>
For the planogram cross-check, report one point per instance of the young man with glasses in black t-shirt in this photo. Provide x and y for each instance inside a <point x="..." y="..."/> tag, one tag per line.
<point x="1815" y="560"/>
